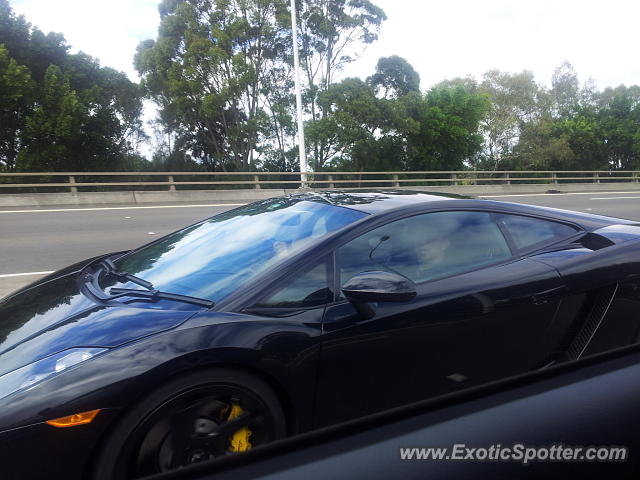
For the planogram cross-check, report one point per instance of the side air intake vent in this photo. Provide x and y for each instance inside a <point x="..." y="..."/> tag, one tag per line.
<point x="598" y="311"/>
<point x="593" y="241"/>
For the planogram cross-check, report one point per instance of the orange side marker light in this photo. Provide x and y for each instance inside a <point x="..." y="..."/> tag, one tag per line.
<point x="74" y="420"/>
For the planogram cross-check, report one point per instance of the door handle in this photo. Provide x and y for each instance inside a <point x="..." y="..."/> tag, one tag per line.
<point x="545" y="296"/>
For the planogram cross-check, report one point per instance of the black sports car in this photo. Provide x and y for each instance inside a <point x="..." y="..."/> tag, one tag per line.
<point x="294" y="313"/>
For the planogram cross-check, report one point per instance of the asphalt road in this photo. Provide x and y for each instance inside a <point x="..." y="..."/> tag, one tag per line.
<point x="39" y="240"/>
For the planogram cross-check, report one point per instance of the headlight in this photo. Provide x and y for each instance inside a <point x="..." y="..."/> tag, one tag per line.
<point x="36" y="372"/>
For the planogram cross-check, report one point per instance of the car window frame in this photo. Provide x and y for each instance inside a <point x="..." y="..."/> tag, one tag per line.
<point x="328" y="259"/>
<point x="539" y="245"/>
<point x="516" y="254"/>
<point x="329" y="246"/>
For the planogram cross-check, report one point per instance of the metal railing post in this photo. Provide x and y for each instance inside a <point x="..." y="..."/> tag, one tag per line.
<point x="172" y="186"/>
<point x="635" y="176"/>
<point x="72" y="181"/>
<point x="394" y="177"/>
<point x="454" y="179"/>
<point x="596" y="177"/>
<point x="256" y="186"/>
<point x="554" y="178"/>
<point x="330" y="178"/>
<point x="507" y="178"/>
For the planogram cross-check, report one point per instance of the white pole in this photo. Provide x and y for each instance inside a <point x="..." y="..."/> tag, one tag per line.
<point x="296" y="75"/>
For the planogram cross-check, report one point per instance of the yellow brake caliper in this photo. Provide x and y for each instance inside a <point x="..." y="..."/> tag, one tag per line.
<point x="240" y="439"/>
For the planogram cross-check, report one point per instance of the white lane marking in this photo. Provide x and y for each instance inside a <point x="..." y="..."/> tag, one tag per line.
<point x="122" y="208"/>
<point x="551" y="194"/>
<point x="610" y="198"/>
<point x="9" y="275"/>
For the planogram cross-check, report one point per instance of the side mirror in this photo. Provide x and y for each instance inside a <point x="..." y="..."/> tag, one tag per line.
<point x="377" y="286"/>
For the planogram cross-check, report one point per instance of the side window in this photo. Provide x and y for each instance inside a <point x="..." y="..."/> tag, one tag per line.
<point x="309" y="288"/>
<point x="529" y="232"/>
<point x="426" y="247"/>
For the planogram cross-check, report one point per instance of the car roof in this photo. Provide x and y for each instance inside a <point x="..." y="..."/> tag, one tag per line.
<point x="379" y="201"/>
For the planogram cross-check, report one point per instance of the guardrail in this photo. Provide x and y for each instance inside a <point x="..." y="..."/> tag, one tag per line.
<point x="79" y="181"/>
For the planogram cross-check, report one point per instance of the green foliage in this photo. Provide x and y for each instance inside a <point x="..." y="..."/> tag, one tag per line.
<point x="60" y="111"/>
<point x="220" y="72"/>
<point x="515" y="100"/>
<point x="565" y="89"/>
<point x="581" y="128"/>
<point x="541" y="148"/>
<point x="394" y="77"/>
<point x="619" y="118"/>
<point x="347" y="130"/>
<point x="448" y="135"/>
<point x="215" y="71"/>
<point x="410" y="132"/>
<point x="16" y="89"/>
<point x="53" y="126"/>
<point x="333" y="33"/>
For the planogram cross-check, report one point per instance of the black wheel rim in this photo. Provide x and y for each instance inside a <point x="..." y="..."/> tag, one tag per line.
<point x="199" y="424"/>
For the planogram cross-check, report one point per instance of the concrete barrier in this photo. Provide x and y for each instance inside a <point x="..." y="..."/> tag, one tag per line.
<point x="134" y="197"/>
<point x="241" y="196"/>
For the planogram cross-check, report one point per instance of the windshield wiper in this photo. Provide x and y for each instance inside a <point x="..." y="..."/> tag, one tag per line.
<point x="155" y="294"/>
<point x="111" y="268"/>
<point x="151" y="292"/>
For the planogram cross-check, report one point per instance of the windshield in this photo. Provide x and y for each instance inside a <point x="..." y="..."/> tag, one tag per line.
<point x="217" y="256"/>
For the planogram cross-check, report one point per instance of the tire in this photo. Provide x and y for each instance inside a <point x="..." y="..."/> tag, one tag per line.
<point x="151" y="424"/>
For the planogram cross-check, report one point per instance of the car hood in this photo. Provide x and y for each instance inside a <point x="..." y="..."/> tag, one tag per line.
<point x="52" y="316"/>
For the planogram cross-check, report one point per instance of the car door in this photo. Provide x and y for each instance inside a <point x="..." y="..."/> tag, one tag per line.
<point x="480" y="314"/>
<point x="292" y="308"/>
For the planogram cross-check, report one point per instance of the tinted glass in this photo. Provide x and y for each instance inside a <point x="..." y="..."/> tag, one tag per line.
<point x="427" y="246"/>
<point x="216" y="257"/>
<point x="307" y="289"/>
<point x="527" y="231"/>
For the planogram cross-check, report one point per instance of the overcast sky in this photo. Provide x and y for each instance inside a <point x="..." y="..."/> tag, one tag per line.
<point x="441" y="39"/>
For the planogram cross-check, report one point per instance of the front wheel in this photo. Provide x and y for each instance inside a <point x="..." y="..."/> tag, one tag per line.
<point x="198" y="417"/>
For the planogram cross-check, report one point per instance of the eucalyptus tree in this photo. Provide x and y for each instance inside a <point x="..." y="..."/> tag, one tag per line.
<point x="213" y="70"/>
<point x="394" y="77"/>
<point x="333" y="33"/>
<point x="516" y="99"/>
<point x="619" y="117"/>
<point x="565" y="89"/>
<point x="16" y="90"/>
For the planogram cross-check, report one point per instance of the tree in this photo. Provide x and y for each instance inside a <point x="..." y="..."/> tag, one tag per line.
<point x="469" y="83"/>
<point x="565" y="89"/>
<point x="221" y="72"/>
<point x="414" y="132"/>
<point x="619" y="117"/>
<point x="332" y="34"/>
<point x="540" y="149"/>
<point x="16" y="88"/>
<point x="394" y="77"/>
<point x="210" y="70"/>
<point x="447" y="134"/>
<point x="515" y="100"/>
<point x="60" y="111"/>
<point x="53" y="127"/>
<point x="585" y="136"/>
<point x="351" y="115"/>
<point x="15" y="33"/>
